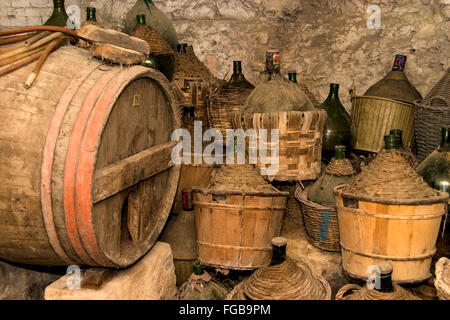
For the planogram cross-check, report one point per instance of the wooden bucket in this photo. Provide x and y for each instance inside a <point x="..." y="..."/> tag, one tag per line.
<point x="86" y="175"/>
<point x="374" y="117"/>
<point x="235" y="229"/>
<point x="300" y="141"/>
<point x="401" y="232"/>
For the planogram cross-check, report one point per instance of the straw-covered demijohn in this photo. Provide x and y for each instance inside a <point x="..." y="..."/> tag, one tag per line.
<point x="389" y="212"/>
<point x="283" y="279"/>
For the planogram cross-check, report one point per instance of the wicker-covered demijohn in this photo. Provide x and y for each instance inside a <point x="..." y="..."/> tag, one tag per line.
<point x="236" y="217"/>
<point x="289" y="280"/>
<point x="387" y="105"/>
<point x="225" y="98"/>
<point x="158" y="46"/>
<point x="389" y="213"/>
<point x="431" y="114"/>
<point x="191" y="82"/>
<point x="382" y="288"/>
<point x="300" y="141"/>
<point x="320" y="219"/>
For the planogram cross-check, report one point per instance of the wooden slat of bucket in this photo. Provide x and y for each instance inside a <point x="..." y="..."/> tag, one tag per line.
<point x="234" y="231"/>
<point x="403" y="234"/>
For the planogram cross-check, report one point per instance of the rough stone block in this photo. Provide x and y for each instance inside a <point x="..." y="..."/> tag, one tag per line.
<point x="41" y="3"/>
<point x="18" y="283"/>
<point x="20" y="3"/>
<point x="152" y="278"/>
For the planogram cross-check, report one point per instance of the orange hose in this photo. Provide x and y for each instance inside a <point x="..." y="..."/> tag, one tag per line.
<point x="12" y="48"/>
<point x="25" y="54"/>
<point x="55" y="44"/>
<point x="44" y="28"/>
<point x="15" y="39"/>
<point x="20" y="64"/>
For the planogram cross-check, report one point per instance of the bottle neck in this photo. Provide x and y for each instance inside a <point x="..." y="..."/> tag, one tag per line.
<point x="140" y="18"/>
<point x="334" y="91"/>
<point x="91" y="14"/>
<point x="391" y="142"/>
<point x="272" y="62"/>
<point x="293" y="76"/>
<point x="181" y="47"/>
<point x="399" y="63"/>
<point x="237" y="67"/>
<point x="399" y="135"/>
<point x="339" y="153"/>
<point x="445" y="138"/>
<point x="197" y="268"/>
<point x="278" y="254"/>
<point x="385" y="283"/>
<point x="58" y="6"/>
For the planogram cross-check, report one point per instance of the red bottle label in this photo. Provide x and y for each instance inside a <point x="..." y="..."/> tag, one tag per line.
<point x="187" y="201"/>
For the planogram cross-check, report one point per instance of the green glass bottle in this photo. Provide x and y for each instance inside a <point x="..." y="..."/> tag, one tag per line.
<point x="321" y="191"/>
<point x="338" y="127"/>
<point x="391" y="142"/>
<point x="200" y="286"/>
<point x="435" y="169"/>
<point x="140" y="19"/>
<point x="59" y="16"/>
<point x="292" y="76"/>
<point x="90" y="14"/>
<point x="238" y="79"/>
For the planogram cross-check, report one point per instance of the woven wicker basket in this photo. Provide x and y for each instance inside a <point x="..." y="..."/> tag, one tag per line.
<point x="191" y="82"/>
<point x="224" y="99"/>
<point x="320" y="222"/>
<point x="158" y="46"/>
<point x="300" y="141"/>
<point x="374" y="117"/>
<point x="291" y="280"/>
<point x="432" y="113"/>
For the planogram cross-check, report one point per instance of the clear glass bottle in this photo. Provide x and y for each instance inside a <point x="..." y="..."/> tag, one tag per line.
<point x="338" y="129"/>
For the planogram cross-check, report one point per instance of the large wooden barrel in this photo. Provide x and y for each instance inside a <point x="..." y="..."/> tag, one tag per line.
<point x="86" y="176"/>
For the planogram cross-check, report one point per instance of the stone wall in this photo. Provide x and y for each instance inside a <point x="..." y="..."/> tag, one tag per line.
<point x="324" y="40"/>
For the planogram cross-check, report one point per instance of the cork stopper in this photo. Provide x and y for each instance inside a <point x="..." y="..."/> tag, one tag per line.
<point x="385" y="268"/>
<point x="279" y="242"/>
